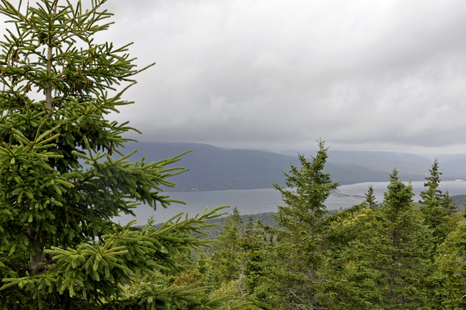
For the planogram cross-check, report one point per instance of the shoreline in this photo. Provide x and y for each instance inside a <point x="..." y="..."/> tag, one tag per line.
<point x="170" y="189"/>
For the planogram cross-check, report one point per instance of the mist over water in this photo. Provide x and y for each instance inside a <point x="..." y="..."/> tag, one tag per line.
<point x="266" y="200"/>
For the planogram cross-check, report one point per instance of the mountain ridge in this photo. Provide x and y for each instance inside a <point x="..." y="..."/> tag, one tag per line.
<point x="214" y="168"/>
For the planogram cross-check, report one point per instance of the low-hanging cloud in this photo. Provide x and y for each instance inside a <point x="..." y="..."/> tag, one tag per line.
<point x="279" y="74"/>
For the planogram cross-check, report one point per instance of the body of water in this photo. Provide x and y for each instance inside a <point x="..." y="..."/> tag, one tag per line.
<point x="266" y="200"/>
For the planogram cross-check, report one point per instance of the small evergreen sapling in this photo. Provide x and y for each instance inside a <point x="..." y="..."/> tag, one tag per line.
<point x="370" y="201"/>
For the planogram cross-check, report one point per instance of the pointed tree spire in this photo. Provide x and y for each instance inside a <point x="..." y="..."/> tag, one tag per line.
<point x="300" y="248"/>
<point x="448" y="205"/>
<point x="435" y="205"/>
<point x="431" y="196"/>
<point x="371" y="201"/>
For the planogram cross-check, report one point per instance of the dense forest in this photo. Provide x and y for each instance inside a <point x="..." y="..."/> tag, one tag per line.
<point x="393" y="254"/>
<point x="62" y="184"/>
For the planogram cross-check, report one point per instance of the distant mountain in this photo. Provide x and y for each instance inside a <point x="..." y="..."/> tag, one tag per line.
<point x="444" y="158"/>
<point x="457" y="166"/>
<point x="384" y="161"/>
<point x="459" y="201"/>
<point x="381" y="161"/>
<point x="213" y="168"/>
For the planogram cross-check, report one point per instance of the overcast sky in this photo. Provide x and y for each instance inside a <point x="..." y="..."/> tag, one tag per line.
<point x="274" y="74"/>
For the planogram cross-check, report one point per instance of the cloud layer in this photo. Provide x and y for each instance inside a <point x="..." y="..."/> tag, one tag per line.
<point x="278" y="74"/>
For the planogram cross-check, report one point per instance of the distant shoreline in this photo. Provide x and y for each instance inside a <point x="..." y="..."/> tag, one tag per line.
<point x="172" y="189"/>
<point x="339" y="194"/>
<point x="336" y="192"/>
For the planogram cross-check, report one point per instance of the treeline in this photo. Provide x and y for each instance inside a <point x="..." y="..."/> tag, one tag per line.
<point x="459" y="201"/>
<point x="393" y="254"/>
<point x="213" y="232"/>
<point x="268" y="218"/>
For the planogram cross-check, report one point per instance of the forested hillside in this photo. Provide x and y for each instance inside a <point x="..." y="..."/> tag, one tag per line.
<point x="459" y="201"/>
<point x="213" y="232"/>
<point x="212" y="168"/>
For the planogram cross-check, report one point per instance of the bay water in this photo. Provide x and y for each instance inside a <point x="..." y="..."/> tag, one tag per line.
<point x="266" y="200"/>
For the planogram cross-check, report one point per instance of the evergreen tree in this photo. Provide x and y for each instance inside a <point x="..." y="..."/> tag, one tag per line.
<point x="255" y="246"/>
<point x="435" y="205"/>
<point x="59" y="247"/>
<point x="299" y="253"/>
<point x="235" y="265"/>
<point x="432" y="194"/>
<point x="225" y="264"/>
<point x="448" y="205"/>
<point x="450" y="276"/>
<point x="385" y="255"/>
<point x="406" y="244"/>
<point x="350" y="280"/>
<point x="370" y="201"/>
<point x="247" y="242"/>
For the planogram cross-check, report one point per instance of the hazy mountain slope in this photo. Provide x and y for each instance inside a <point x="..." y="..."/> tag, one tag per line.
<point x="452" y="166"/>
<point x="212" y="168"/>
<point x="459" y="201"/>
<point x="457" y="166"/>
<point x="383" y="161"/>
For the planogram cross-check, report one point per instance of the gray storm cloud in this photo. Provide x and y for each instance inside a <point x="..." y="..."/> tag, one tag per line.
<point x="280" y="74"/>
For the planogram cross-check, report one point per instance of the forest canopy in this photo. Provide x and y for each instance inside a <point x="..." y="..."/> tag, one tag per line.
<point x="394" y="254"/>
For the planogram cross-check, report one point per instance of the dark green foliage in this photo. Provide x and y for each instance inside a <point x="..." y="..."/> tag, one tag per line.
<point x="225" y="264"/>
<point x="436" y="206"/>
<point x="370" y="256"/>
<point x="59" y="248"/>
<point x="234" y="265"/>
<point x="213" y="232"/>
<point x="298" y="251"/>
<point x="432" y="195"/>
<point x="370" y="201"/>
<point x="407" y="244"/>
<point x="382" y="255"/>
<point x="448" y="205"/>
<point x="450" y="264"/>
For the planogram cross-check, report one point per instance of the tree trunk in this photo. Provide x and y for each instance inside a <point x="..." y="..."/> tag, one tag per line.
<point x="37" y="255"/>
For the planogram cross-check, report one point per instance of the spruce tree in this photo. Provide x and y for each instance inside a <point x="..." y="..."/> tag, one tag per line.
<point x="299" y="252"/>
<point x="450" y="275"/>
<point x="384" y="255"/>
<point x="404" y="248"/>
<point x="225" y="265"/>
<point x="435" y="205"/>
<point x="370" y="201"/>
<point x="432" y="193"/>
<point x="235" y="262"/>
<point x="448" y="205"/>
<point x="247" y="242"/>
<point x="59" y="247"/>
